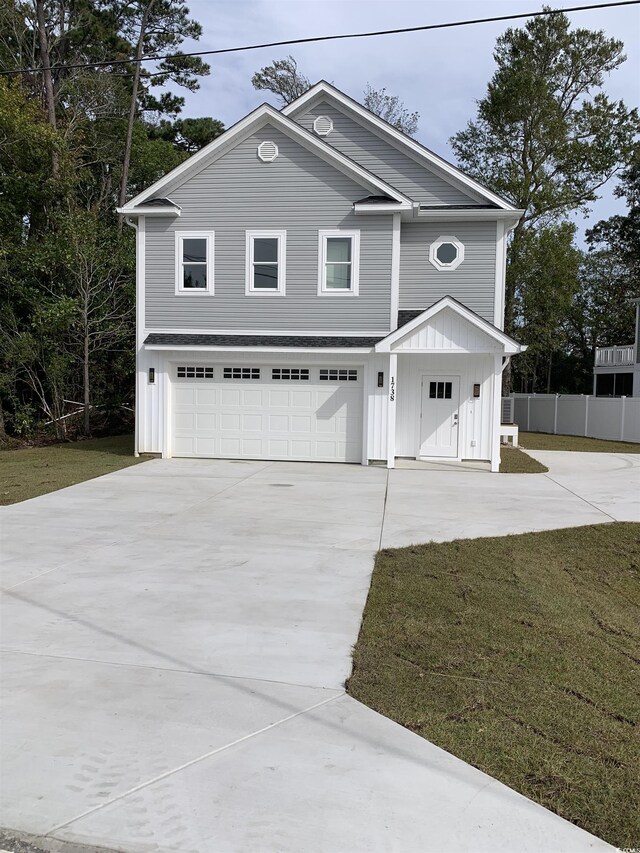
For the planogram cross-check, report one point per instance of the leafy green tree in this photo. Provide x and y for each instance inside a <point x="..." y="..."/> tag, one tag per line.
<point x="546" y="267"/>
<point x="546" y="135"/>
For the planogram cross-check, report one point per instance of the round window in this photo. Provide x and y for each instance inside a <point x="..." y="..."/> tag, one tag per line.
<point x="446" y="253"/>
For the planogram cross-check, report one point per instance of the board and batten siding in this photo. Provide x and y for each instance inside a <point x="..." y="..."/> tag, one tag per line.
<point x="472" y="283"/>
<point x="298" y="193"/>
<point x="383" y="159"/>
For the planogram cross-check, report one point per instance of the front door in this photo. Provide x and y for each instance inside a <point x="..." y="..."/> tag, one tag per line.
<point x="439" y="416"/>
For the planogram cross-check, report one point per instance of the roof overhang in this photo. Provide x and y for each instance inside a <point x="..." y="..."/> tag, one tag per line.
<point x="365" y="209"/>
<point x="264" y="114"/>
<point x="503" y="343"/>
<point x="141" y="210"/>
<point x="446" y="170"/>
<point x="452" y="215"/>
<point x="279" y="349"/>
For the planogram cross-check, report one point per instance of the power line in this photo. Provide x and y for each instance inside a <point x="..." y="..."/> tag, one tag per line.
<point x="425" y="27"/>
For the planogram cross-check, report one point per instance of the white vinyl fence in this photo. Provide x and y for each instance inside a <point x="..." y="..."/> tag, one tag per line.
<point x="616" y="418"/>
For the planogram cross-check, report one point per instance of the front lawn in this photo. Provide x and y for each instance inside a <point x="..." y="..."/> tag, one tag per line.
<point x="514" y="461"/>
<point x="35" y="471"/>
<point x="520" y="655"/>
<point x="544" y="441"/>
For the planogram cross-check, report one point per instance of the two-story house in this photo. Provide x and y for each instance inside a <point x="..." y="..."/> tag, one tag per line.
<point x="315" y="285"/>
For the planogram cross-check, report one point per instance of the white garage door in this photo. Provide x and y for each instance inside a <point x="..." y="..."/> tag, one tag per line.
<point x="273" y="412"/>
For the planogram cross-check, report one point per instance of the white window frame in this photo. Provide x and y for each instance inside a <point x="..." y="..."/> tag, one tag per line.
<point x="433" y="249"/>
<point x="209" y="236"/>
<point x="281" y="236"/>
<point x="322" y="263"/>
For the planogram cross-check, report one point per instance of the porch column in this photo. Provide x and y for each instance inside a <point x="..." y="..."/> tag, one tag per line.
<point x="391" y="411"/>
<point x="496" y="414"/>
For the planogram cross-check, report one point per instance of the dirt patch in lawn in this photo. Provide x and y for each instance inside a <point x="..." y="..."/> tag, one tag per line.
<point x="520" y="655"/>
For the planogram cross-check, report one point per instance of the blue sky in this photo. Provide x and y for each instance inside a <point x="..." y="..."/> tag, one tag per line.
<point x="440" y="74"/>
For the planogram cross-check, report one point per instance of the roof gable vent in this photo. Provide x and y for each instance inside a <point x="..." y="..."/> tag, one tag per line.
<point x="323" y="125"/>
<point x="267" y="151"/>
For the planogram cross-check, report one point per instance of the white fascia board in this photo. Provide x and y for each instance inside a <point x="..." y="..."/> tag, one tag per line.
<point x="509" y="216"/>
<point x="297" y="350"/>
<point x="380" y="208"/>
<point x="149" y="211"/>
<point x="320" y="333"/>
<point x="437" y="163"/>
<point x="509" y="345"/>
<point x="262" y="115"/>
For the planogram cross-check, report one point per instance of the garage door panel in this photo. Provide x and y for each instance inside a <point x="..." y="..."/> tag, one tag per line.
<point x="267" y="419"/>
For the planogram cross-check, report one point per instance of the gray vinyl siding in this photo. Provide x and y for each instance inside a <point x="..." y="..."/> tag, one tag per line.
<point x="383" y="159"/>
<point x="299" y="193"/>
<point x="472" y="283"/>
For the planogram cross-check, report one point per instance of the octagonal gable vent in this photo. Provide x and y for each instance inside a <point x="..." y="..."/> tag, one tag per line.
<point x="323" y="125"/>
<point x="267" y="151"/>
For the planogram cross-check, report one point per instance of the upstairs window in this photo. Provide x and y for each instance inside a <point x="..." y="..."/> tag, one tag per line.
<point x="265" y="262"/>
<point x="194" y="261"/>
<point x="339" y="261"/>
<point x="446" y="253"/>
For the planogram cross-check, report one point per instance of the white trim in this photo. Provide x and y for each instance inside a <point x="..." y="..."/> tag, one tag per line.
<point x="496" y="414"/>
<point x="264" y="114"/>
<point x="298" y="334"/>
<point x="197" y="349"/>
<point x="510" y="346"/>
<point x="179" y="236"/>
<point x="395" y="271"/>
<point x="281" y="237"/>
<point x="366" y="372"/>
<point x="501" y="261"/>
<point x="323" y="88"/>
<point x="471" y="214"/>
<point x="140" y="387"/>
<point x="363" y="209"/>
<point x="392" y="392"/>
<point x="433" y="253"/>
<point x="150" y="211"/>
<point x="323" y="236"/>
<point x="167" y="437"/>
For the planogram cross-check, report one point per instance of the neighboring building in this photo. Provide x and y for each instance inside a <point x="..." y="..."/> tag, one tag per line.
<point x="315" y="285"/>
<point x="617" y="369"/>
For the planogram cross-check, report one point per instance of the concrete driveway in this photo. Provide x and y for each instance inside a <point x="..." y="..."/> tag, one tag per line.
<point x="176" y="638"/>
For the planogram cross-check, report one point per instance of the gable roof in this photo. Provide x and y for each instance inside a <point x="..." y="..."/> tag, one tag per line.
<point x="508" y="343"/>
<point x="431" y="160"/>
<point x="262" y="115"/>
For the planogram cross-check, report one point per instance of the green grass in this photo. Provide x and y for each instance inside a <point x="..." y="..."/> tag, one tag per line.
<point x="35" y="471"/>
<point x="514" y="461"/>
<point x="544" y="441"/>
<point x="521" y="656"/>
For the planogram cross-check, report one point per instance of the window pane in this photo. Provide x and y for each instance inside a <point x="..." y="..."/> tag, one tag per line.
<point x="265" y="276"/>
<point x="265" y="249"/>
<point x="432" y="390"/>
<point x="194" y="250"/>
<point x="194" y="276"/>
<point x="338" y="276"/>
<point x="447" y="390"/>
<point x="338" y="248"/>
<point x="446" y="253"/>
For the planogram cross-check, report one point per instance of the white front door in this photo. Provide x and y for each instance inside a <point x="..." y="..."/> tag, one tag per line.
<point x="439" y="416"/>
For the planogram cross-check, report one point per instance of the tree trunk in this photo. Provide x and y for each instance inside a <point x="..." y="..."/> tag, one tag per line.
<point x="122" y="197"/>
<point x="85" y="382"/>
<point x="45" y="59"/>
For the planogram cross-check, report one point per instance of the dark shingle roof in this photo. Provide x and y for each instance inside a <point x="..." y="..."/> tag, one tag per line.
<point x="405" y="317"/>
<point x="301" y="341"/>
<point x="376" y="199"/>
<point x="158" y="202"/>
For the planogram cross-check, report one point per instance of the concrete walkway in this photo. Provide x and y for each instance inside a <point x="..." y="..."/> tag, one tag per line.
<point x="176" y="638"/>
